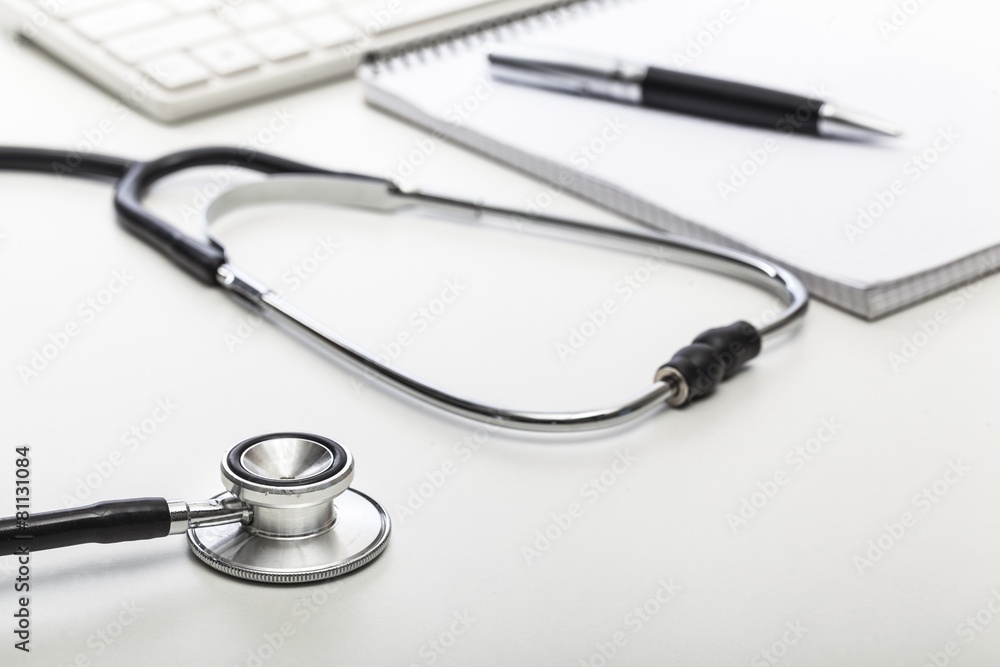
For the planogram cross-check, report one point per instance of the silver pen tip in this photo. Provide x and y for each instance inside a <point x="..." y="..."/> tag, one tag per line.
<point x="843" y="124"/>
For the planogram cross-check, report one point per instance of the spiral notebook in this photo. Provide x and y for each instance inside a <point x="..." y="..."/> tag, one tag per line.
<point x="871" y="228"/>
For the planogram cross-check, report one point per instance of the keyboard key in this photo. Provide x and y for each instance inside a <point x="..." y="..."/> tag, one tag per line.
<point x="277" y="43"/>
<point x="100" y="25"/>
<point x="227" y="57"/>
<point x="326" y="31"/>
<point x="217" y="52"/>
<point x="176" y="71"/>
<point x="172" y="36"/>
<point x="249" y="15"/>
<point x="298" y="8"/>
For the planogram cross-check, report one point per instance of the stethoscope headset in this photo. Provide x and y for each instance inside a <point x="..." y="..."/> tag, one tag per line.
<point x="279" y="522"/>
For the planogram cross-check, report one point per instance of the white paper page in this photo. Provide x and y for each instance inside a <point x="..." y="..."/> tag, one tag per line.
<point x="797" y="199"/>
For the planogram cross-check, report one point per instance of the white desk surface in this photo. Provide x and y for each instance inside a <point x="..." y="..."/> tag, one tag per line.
<point x="652" y="563"/>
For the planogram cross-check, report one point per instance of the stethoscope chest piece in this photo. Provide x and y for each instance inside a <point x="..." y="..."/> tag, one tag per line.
<point x="305" y="523"/>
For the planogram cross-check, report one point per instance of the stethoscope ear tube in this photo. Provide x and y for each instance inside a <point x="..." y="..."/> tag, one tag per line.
<point x="104" y="523"/>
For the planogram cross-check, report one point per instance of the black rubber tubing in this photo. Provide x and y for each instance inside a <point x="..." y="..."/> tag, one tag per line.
<point x="62" y="163"/>
<point x="200" y="259"/>
<point x="104" y="523"/>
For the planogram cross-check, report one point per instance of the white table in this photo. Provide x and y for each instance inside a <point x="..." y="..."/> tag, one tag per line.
<point x="831" y="440"/>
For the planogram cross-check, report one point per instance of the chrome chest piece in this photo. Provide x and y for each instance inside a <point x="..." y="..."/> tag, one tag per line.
<point x="305" y="522"/>
<point x="290" y="515"/>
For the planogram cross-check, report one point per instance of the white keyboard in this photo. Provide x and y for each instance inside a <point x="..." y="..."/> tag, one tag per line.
<point x="177" y="58"/>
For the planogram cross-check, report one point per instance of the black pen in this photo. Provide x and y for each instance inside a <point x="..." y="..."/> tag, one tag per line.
<point x="610" y="78"/>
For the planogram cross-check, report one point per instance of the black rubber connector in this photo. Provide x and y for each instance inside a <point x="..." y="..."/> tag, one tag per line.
<point x="105" y="523"/>
<point x="714" y="356"/>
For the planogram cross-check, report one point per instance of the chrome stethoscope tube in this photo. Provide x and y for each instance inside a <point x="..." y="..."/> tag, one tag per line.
<point x="693" y="371"/>
<point x="386" y="197"/>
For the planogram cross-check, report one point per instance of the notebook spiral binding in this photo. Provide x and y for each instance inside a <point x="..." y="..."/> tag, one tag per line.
<point x="494" y="30"/>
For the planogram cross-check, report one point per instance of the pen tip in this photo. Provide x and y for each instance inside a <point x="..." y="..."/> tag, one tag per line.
<point x="887" y="130"/>
<point x="840" y="123"/>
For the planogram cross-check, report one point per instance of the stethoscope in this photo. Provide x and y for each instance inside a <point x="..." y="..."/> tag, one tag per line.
<point x="278" y="522"/>
<point x="693" y="372"/>
<point x="289" y="516"/>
